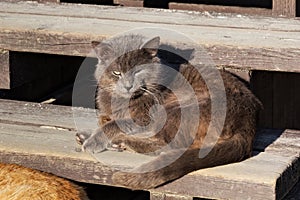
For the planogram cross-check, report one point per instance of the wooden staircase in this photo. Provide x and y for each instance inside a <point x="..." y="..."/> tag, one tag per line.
<point x="35" y="37"/>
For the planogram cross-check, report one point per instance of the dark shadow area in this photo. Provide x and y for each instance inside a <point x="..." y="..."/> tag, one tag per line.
<point x="297" y="8"/>
<point x="46" y="78"/>
<point x="294" y="194"/>
<point x="96" y="2"/>
<point x="279" y="93"/>
<point x="264" y="138"/>
<point x="39" y="77"/>
<point x="246" y="3"/>
<point x="99" y="192"/>
<point x="156" y="4"/>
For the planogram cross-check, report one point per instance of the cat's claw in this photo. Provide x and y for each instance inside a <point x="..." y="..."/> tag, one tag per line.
<point x="97" y="142"/>
<point x="117" y="147"/>
<point x="82" y="136"/>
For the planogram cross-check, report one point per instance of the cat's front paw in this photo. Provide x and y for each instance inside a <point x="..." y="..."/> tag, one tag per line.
<point x="93" y="143"/>
<point x="82" y="136"/>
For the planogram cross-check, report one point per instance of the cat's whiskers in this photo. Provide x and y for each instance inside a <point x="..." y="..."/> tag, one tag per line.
<point x="156" y="93"/>
<point x="151" y="93"/>
<point x="108" y="88"/>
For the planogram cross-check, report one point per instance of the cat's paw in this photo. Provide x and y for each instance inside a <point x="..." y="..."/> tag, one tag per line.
<point x="119" y="139"/>
<point x="82" y="136"/>
<point x="94" y="143"/>
<point x="121" y="142"/>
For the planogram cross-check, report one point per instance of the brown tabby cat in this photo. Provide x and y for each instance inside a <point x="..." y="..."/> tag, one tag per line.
<point x="20" y="183"/>
<point x="127" y="80"/>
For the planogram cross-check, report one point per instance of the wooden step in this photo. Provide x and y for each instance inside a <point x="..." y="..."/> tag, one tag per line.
<point x="130" y="3"/>
<point x="4" y="69"/>
<point x="42" y="137"/>
<point x="241" y="42"/>
<point x="286" y="8"/>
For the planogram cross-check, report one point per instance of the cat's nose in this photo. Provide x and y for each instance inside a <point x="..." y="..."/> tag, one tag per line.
<point x="127" y="84"/>
<point x="128" y="87"/>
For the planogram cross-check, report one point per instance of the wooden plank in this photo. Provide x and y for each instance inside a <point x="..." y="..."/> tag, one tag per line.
<point x="41" y="1"/>
<point x="220" y="9"/>
<point x="15" y="112"/>
<point x="284" y="8"/>
<point x="130" y="3"/>
<point x="4" y="69"/>
<point x="235" y="41"/>
<point x="46" y="1"/>
<point x="258" y="58"/>
<point x="69" y="164"/>
<point x="44" y="140"/>
<point x="35" y="148"/>
<point x="99" y="2"/>
<point x="153" y="16"/>
<point x="267" y="141"/>
<point x="165" y="196"/>
<point x="253" y="178"/>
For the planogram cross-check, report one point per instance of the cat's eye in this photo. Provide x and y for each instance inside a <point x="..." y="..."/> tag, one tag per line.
<point x="116" y="73"/>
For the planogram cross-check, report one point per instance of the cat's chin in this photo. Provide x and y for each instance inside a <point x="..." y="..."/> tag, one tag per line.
<point x="135" y="95"/>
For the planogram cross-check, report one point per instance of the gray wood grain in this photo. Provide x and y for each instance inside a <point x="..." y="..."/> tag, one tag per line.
<point x="237" y="41"/>
<point x="4" y="69"/>
<point x="284" y="8"/>
<point x="43" y="137"/>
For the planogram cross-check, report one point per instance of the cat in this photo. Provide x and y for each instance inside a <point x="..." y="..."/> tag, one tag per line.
<point x="17" y="182"/>
<point x="127" y="81"/>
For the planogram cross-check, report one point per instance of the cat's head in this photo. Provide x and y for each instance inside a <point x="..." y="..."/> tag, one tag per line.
<point x="125" y="64"/>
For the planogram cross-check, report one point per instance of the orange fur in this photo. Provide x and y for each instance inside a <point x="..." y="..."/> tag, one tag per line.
<point x="17" y="182"/>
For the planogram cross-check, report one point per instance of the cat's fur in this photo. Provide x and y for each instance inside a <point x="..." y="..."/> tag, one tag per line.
<point x="122" y="54"/>
<point x="20" y="183"/>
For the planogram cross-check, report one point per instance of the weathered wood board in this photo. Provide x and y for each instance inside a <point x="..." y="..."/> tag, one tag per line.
<point x="43" y="137"/>
<point x="4" y="69"/>
<point x="99" y="2"/>
<point x="131" y="3"/>
<point x="285" y="8"/>
<point x="235" y="41"/>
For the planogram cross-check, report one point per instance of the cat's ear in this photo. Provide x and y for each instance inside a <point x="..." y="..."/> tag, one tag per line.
<point x="102" y="50"/>
<point x="151" y="45"/>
